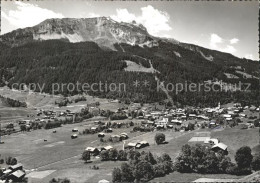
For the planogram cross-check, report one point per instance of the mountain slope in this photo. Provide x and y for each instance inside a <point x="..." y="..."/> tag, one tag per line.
<point x="100" y="50"/>
<point x="104" y="31"/>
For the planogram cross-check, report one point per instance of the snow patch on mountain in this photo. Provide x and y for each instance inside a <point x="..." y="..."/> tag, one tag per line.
<point x="73" y="38"/>
<point x="209" y="58"/>
<point x="246" y="75"/>
<point x="134" y="67"/>
<point x="149" y="44"/>
<point x="231" y="76"/>
<point x="177" y="53"/>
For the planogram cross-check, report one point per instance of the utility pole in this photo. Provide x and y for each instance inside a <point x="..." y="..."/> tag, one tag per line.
<point x="0" y="133"/>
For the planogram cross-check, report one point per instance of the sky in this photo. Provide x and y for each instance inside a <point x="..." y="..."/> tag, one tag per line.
<point x="225" y="26"/>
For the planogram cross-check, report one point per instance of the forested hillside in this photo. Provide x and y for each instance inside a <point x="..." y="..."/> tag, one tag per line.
<point x="56" y="61"/>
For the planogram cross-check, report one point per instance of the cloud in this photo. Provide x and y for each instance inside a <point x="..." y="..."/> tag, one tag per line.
<point x="215" y="40"/>
<point x="93" y="15"/>
<point x="249" y="56"/>
<point x="27" y="15"/>
<point x="228" y="49"/>
<point x="233" y="41"/>
<point x="153" y="19"/>
<point x="218" y="43"/>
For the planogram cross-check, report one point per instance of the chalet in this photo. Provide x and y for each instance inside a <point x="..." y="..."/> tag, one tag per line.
<point x="18" y="166"/>
<point x="211" y="141"/>
<point x="177" y="122"/>
<point x="17" y="176"/>
<point x="131" y="145"/>
<point x="202" y="117"/>
<point x="242" y="115"/>
<point x="75" y="130"/>
<point x="99" y="123"/>
<point x="170" y="126"/>
<point x="93" y="129"/>
<point x="142" y="144"/>
<point x="124" y="136"/>
<point x="109" y="130"/>
<point x="74" y="136"/>
<point x="229" y="119"/>
<point x="115" y="138"/>
<point x="163" y="121"/>
<point x="93" y="151"/>
<point x="7" y="172"/>
<point x="103" y="181"/>
<point x="101" y="135"/>
<point x="106" y="148"/>
<point x="227" y="116"/>
<point x="220" y="147"/>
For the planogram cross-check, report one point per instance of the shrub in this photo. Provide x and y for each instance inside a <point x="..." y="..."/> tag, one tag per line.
<point x="243" y="157"/>
<point x="256" y="162"/>
<point x="104" y="155"/>
<point x="159" y="138"/>
<point x="116" y="175"/>
<point x="86" y="156"/>
<point x="11" y="161"/>
<point x="113" y="154"/>
<point x="143" y="171"/>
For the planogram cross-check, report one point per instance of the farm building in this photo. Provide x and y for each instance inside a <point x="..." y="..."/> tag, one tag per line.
<point x="124" y="136"/>
<point x="142" y="144"/>
<point x="18" y="166"/>
<point x="131" y="145"/>
<point x="17" y="176"/>
<point x="103" y="181"/>
<point x="211" y="141"/>
<point x="177" y="122"/>
<point x="74" y="136"/>
<point x="93" y="151"/>
<point x="109" y="130"/>
<point x="106" y="148"/>
<point x="220" y="147"/>
<point x="75" y="130"/>
<point x="115" y="138"/>
<point x="101" y="135"/>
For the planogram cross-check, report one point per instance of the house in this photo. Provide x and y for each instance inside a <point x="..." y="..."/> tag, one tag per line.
<point x="93" y="151"/>
<point x="99" y="123"/>
<point x="75" y="130"/>
<point x="227" y="116"/>
<point x="109" y="130"/>
<point x="242" y="115"/>
<point x="18" y="166"/>
<point x="101" y="135"/>
<point x="220" y="147"/>
<point x="74" y="136"/>
<point x="124" y="136"/>
<point x="115" y="138"/>
<point x="142" y="144"/>
<point x="177" y="122"/>
<point x="103" y="181"/>
<point x="170" y="126"/>
<point x="17" y="176"/>
<point x="163" y="121"/>
<point x="131" y="145"/>
<point x="7" y="172"/>
<point x="93" y="129"/>
<point x="211" y="141"/>
<point x="106" y="148"/>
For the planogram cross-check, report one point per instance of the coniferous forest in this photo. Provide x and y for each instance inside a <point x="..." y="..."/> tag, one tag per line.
<point x="55" y="61"/>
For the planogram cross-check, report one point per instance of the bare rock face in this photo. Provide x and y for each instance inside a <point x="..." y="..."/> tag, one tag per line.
<point x="102" y="30"/>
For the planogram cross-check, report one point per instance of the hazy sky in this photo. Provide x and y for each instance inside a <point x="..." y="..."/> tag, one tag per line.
<point x="226" y="26"/>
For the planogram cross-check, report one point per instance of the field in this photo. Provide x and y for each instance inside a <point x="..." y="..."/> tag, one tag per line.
<point x="60" y="155"/>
